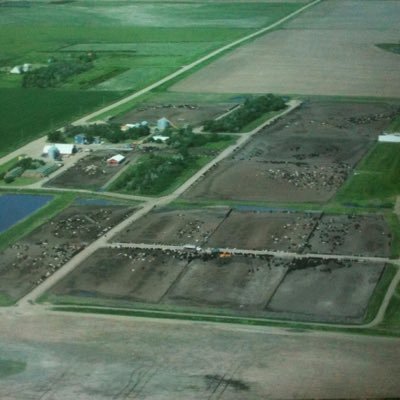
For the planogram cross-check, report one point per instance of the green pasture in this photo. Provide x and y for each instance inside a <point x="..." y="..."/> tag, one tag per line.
<point x="376" y="179"/>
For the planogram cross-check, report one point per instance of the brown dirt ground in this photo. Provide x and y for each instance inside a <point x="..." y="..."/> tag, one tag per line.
<point x="71" y="356"/>
<point x="238" y="283"/>
<point x="174" y="227"/>
<point x="178" y="114"/>
<point x="306" y="156"/>
<point x="327" y="291"/>
<point x="91" y="172"/>
<point x="36" y="256"/>
<point x="329" y="49"/>
<point x="354" y="235"/>
<point x="264" y="231"/>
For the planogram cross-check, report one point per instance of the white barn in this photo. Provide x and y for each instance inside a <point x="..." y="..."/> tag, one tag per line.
<point x="65" y="149"/>
<point x="389" y="138"/>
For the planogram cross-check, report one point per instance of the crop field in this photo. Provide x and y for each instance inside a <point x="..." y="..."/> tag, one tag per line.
<point x="170" y="360"/>
<point x="91" y="172"/>
<point x="26" y="263"/>
<point x="306" y="156"/>
<point x="27" y="113"/>
<point x="331" y="49"/>
<point x="242" y="285"/>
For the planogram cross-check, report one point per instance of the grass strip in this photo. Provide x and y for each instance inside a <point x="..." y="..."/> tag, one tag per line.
<point x="290" y="326"/>
<point x="392" y="315"/>
<point x="394" y="224"/>
<point x="379" y="293"/>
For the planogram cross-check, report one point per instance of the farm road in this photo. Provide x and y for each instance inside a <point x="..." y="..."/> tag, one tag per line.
<point x="279" y="254"/>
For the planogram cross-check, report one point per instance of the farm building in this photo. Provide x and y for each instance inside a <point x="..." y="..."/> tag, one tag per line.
<point x="62" y="148"/>
<point x="126" y="127"/>
<point x="14" y="173"/>
<point x="162" y="124"/>
<point x="160" y="138"/>
<point x="41" y="172"/>
<point x="116" y="160"/>
<point x="80" y="138"/>
<point x="389" y="138"/>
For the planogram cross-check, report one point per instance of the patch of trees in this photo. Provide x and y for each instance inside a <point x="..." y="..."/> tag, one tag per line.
<point x="55" y="73"/>
<point x="154" y="174"/>
<point x="248" y="112"/>
<point x="24" y="163"/>
<point x="184" y="138"/>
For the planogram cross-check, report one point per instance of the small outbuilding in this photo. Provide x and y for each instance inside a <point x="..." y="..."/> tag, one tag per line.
<point x="389" y="138"/>
<point x="116" y="160"/>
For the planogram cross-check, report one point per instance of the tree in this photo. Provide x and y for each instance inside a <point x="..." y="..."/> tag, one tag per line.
<point x="56" y="137"/>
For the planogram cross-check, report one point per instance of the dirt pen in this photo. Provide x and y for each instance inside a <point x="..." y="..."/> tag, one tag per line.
<point x="174" y="227"/>
<point x="30" y="260"/>
<point x="92" y="171"/>
<point x="305" y="157"/>
<point x="258" y="228"/>
<point x="308" y="289"/>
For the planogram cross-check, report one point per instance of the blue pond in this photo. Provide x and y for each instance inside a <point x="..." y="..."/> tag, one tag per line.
<point x="14" y="207"/>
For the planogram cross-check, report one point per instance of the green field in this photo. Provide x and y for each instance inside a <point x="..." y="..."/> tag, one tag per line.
<point x="376" y="180"/>
<point x="137" y="43"/>
<point x="26" y="113"/>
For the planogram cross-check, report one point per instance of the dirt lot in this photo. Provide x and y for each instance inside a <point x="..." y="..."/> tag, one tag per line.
<point x="326" y="290"/>
<point x="90" y="172"/>
<point x="175" y="278"/>
<point x="238" y="283"/>
<point x="125" y="274"/>
<point x="178" y="114"/>
<point x="175" y="227"/>
<point x="264" y="231"/>
<point x="304" y="157"/>
<point x="355" y="235"/>
<point x="33" y="258"/>
<point x="330" y="49"/>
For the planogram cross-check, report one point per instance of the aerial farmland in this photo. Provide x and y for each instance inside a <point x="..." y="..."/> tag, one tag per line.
<point x="199" y="199"/>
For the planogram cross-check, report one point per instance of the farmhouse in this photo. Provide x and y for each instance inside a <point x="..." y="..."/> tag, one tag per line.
<point x="116" y="160"/>
<point x="62" y="148"/>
